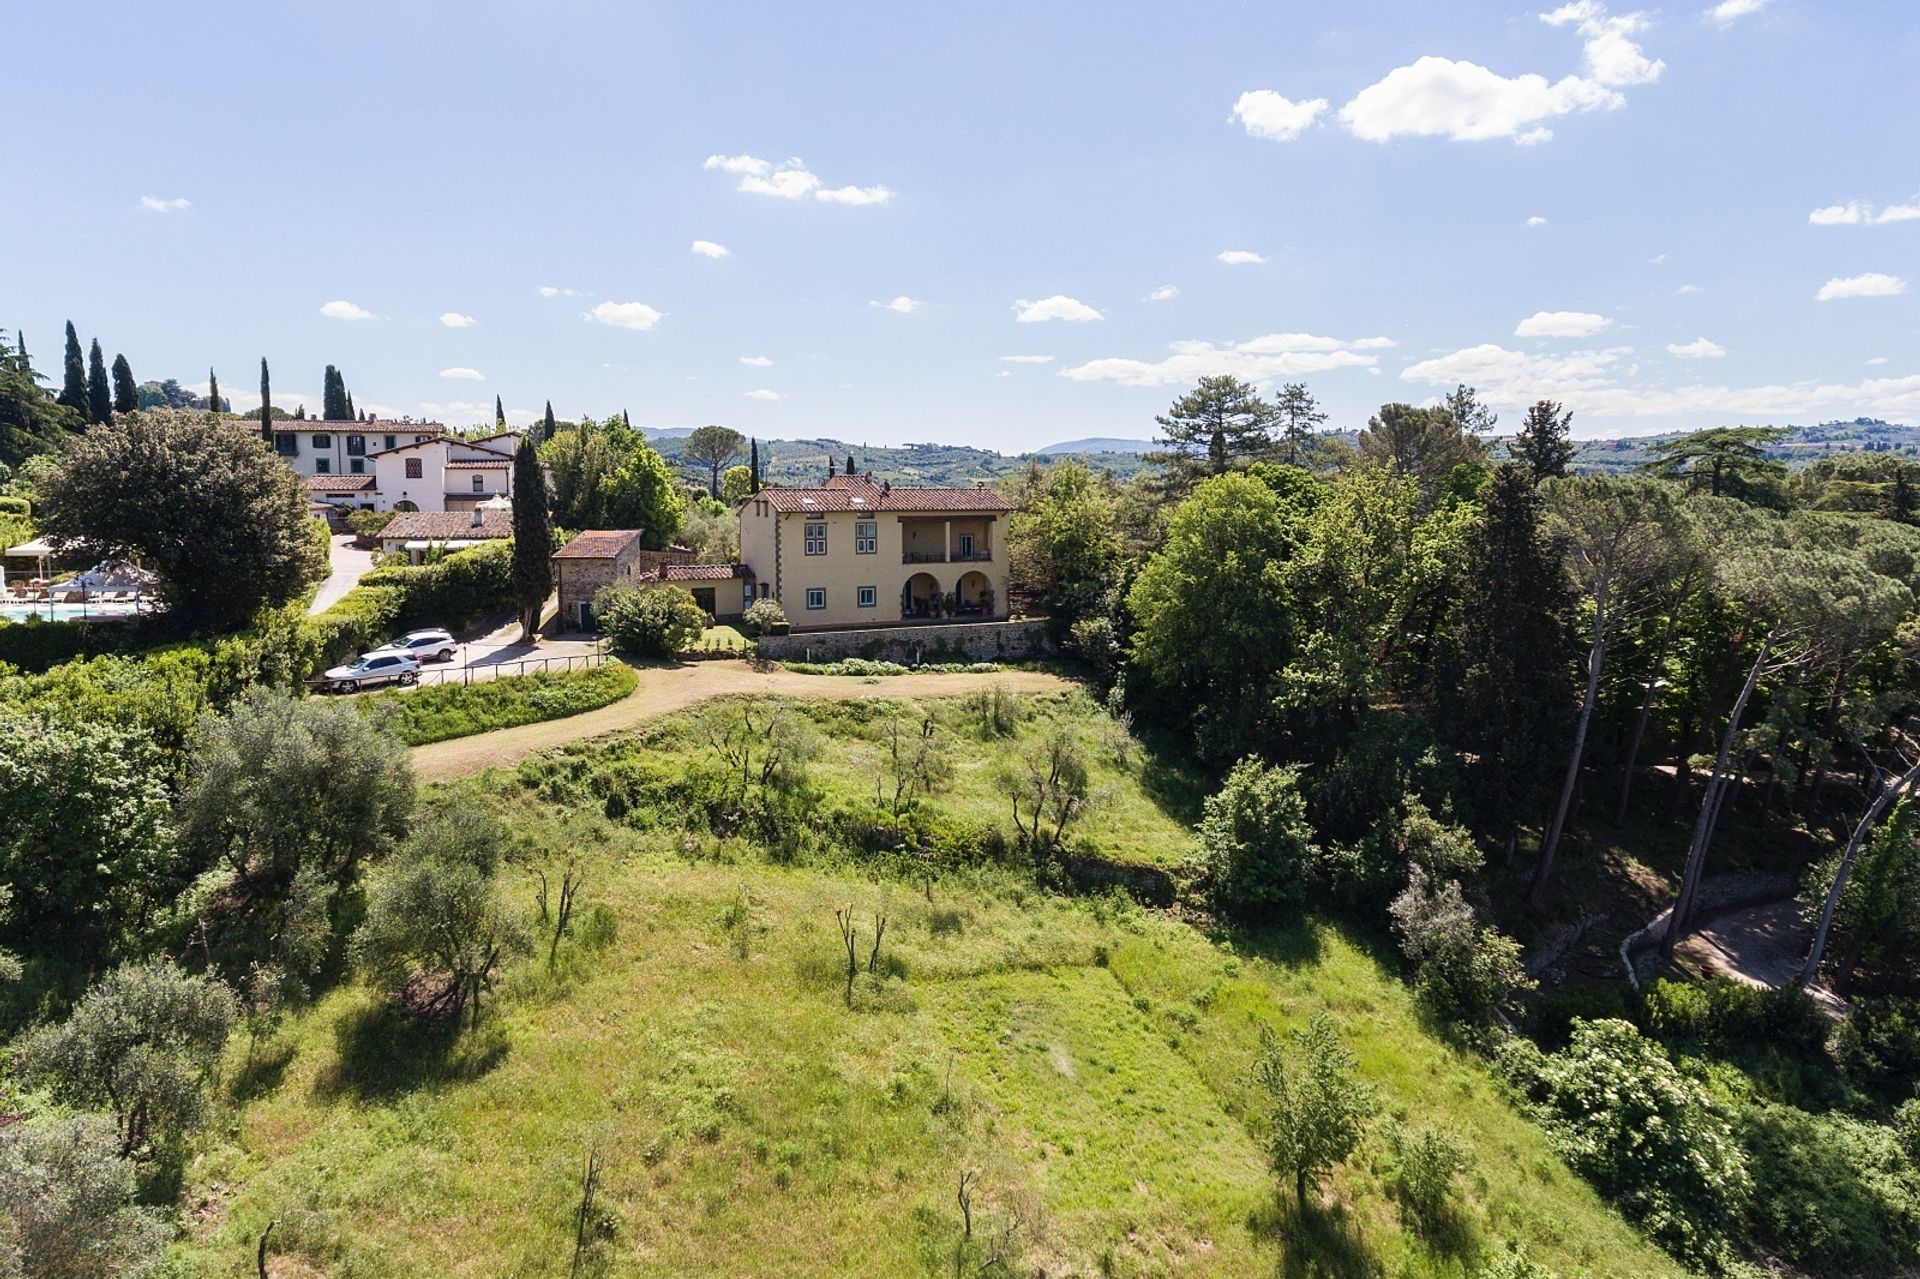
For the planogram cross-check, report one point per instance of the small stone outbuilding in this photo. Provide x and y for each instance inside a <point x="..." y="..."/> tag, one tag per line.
<point x="599" y="558"/>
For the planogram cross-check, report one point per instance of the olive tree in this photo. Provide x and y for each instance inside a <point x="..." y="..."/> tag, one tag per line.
<point x="141" y="1043"/>
<point x="1049" y="786"/>
<point x="67" y="1208"/>
<point x="432" y="912"/>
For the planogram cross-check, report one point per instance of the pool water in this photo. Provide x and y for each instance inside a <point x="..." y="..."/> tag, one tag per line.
<point x="62" y="612"/>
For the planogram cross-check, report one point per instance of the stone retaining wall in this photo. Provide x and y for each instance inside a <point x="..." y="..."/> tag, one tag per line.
<point x="910" y="645"/>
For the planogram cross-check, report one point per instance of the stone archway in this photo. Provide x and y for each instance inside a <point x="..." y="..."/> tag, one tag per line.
<point x="920" y="597"/>
<point x="974" y="594"/>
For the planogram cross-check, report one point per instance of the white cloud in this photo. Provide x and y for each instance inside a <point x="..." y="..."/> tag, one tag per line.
<point x="1877" y="360"/>
<point x="902" y="305"/>
<point x="1698" y="349"/>
<point x="1658" y="259"/>
<point x="1164" y="293"/>
<point x="1026" y="359"/>
<point x="1592" y="381"/>
<point x="1860" y="213"/>
<point x="341" y="309"/>
<point x="1265" y="114"/>
<point x="457" y="412"/>
<point x="553" y="291"/>
<point x="756" y="361"/>
<point x="791" y="180"/>
<point x="1535" y="220"/>
<point x="1241" y="257"/>
<point x="1689" y="290"/>
<point x="455" y="320"/>
<point x="1466" y="102"/>
<point x="1057" y="307"/>
<point x="1260" y="359"/>
<point x="1561" y="324"/>
<point x="1873" y="284"/>
<point x="708" y="249"/>
<point x="1728" y="12"/>
<point x="854" y="195"/>
<point x="624" y="315"/>
<point x="764" y="394"/>
<point x="179" y="204"/>
<point x="463" y="374"/>
<point x="1004" y="373"/>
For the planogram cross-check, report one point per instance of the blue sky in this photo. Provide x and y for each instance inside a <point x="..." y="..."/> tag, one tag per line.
<point x="1635" y="211"/>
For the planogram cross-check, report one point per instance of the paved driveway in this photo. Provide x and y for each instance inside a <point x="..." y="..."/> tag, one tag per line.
<point x="348" y="564"/>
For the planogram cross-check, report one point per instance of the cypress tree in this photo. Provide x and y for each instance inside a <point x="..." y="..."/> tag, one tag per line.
<point x="532" y="538"/>
<point x="499" y="415"/>
<point x="99" y="390"/>
<point x="547" y="425"/>
<point x="333" y="396"/>
<point x="351" y="416"/>
<point x="300" y="413"/>
<point x="20" y="341"/>
<point x="73" y="389"/>
<point x="266" y="404"/>
<point x="213" y="392"/>
<point x="850" y="468"/>
<point x="126" y="396"/>
<point x="753" y="483"/>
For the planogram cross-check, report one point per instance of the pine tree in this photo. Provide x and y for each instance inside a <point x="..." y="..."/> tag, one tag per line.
<point x="73" y="390"/>
<point x="126" y="395"/>
<point x="99" y="390"/>
<point x="1469" y="413"/>
<point x="499" y="415"/>
<point x="1542" y="445"/>
<point x="754" y="484"/>
<point x="213" y="393"/>
<point x="1220" y="423"/>
<point x="266" y="404"/>
<point x="1507" y="679"/>
<point x="1299" y="416"/>
<point x="532" y="537"/>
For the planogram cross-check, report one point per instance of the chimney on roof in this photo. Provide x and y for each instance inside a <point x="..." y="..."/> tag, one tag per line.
<point x="479" y="517"/>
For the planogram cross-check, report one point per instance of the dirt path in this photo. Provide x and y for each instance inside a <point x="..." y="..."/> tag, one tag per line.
<point x="1760" y="945"/>
<point x="664" y="691"/>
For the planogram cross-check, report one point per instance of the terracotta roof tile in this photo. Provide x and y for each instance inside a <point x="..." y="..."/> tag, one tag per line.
<point x="447" y="526"/>
<point x="597" y="544"/>
<point x="858" y="493"/>
<point x="340" y="483"/>
<point x="705" y="572"/>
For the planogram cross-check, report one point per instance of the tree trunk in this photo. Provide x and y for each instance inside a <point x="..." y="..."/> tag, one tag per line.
<point x="1709" y="804"/>
<point x="1646" y="712"/>
<point x="1847" y="859"/>
<point x="1596" y="658"/>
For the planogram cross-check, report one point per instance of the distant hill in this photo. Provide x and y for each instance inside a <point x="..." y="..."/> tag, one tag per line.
<point x="1096" y="444"/>
<point x="797" y="462"/>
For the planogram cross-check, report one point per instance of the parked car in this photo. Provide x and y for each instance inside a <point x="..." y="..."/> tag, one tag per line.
<point x="431" y="645"/>
<point x="372" y="670"/>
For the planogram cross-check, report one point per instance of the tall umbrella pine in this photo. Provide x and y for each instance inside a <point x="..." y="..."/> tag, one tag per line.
<point x="1614" y="533"/>
<point x="1811" y="608"/>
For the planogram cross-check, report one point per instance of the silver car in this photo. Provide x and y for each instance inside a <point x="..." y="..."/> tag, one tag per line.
<point x="432" y="645"/>
<point x="373" y="670"/>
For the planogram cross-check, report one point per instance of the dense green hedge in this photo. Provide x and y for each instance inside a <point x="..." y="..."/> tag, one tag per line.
<point x="442" y="711"/>
<point x="163" y="692"/>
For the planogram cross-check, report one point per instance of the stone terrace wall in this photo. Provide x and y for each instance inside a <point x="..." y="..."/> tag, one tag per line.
<point x="960" y="641"/>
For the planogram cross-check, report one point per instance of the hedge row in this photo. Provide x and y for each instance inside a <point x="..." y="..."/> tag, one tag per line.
<point x="443" y="711"/>
<point x="164" y="691"/>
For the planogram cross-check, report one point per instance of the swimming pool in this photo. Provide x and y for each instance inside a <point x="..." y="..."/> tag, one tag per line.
<point x="62" y="612"/>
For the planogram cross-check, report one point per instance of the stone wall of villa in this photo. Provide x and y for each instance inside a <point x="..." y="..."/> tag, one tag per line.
<point x="911" y="645"/>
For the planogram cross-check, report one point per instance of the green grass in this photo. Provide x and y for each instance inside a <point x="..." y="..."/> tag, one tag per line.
<point x="438" y="712"/>
<point x="722" y="635"/>
<point x="1085" y="1058"/>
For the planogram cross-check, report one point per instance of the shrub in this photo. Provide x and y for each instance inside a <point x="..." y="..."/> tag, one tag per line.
<point x="367" y="523"/>
<point x="15" y="506"/>
<point x="656" y="621"/>
<point x="1721" y="1015"/>
<point x="442" y="711"/>
<point x="1649" y="1138"/>
<point x="1430" y="1160"/>
<point x="1255" y="847"/>
<point x="765" y="617"/>
<point x="1464" y="972"/>
<point x="142" y="1043"/>
<point x="67" y="1205"/>
<point x="1878" y="1045"/>
<point x="1831" y="1192"/>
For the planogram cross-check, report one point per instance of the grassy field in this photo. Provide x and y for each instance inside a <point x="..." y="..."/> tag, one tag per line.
<point x="1083" y="1059"/>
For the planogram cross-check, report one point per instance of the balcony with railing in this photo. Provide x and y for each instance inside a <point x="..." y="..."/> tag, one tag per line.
<point x="946" y="541"/>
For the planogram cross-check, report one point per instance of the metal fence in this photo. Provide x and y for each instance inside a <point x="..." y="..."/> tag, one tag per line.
<point x="517" y="666"/>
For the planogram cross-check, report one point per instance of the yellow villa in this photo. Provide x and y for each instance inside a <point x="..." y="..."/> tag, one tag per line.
<point x="858" y="553"/>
